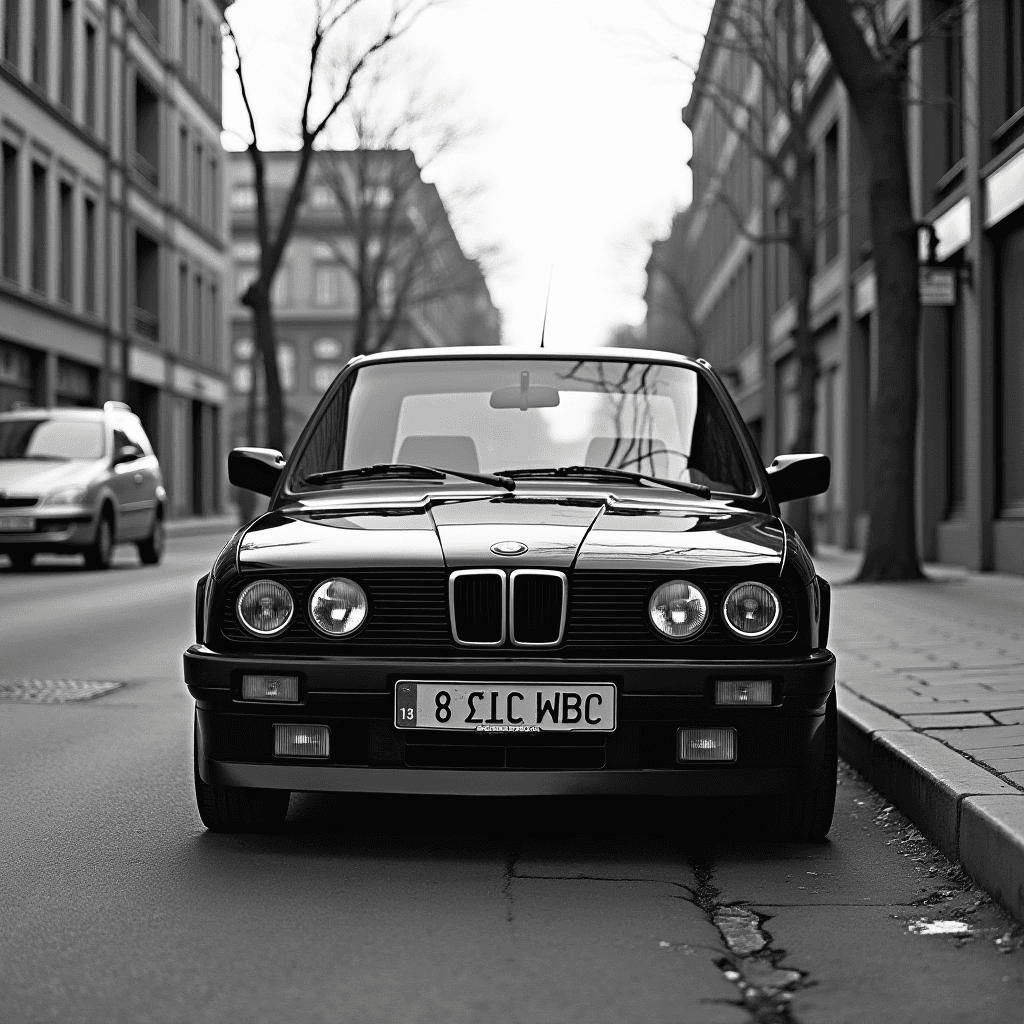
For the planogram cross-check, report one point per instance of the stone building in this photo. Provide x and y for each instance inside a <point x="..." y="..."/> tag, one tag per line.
<point x="113" y="254"/>
<point x="966" y="141"/>
<point x="314" y="292"/>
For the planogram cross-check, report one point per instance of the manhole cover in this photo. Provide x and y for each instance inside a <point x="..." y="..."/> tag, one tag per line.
<point x="54" y="691"/>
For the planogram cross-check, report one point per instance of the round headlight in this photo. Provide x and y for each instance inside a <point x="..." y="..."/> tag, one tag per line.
<point x="338" y="607"/>
<point x="265" y="608"/>
<point x="751" y="610"/>
<point x="678" y="610"/>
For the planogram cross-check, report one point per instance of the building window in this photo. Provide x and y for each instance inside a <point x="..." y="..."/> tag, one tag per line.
<point x="183" y="307"/>
<point x="953" y="70"/>
<point x="197" y="181"/>
<point x="244" y="276"/>
<point x="327" y="286"/>
<point x="210" y="356"/>
<point x="12" y="31"/>
<point x="40" y="227"/>
<point x="11" y="210"/>
<point x="67" y="54"/>
<point x="183" y="167"/>
<point x="196" y="348"/>
<point x="241" y="378"/>
<point x="40" y="41"/>
<point x="90" y="76"/>
<point x="147" y="286"/>
<point x="183" y="20"/>
<point x="90" y="256"/>
<point x="1014" y="56"/>
<point x="322" y="197"/>
<point x="150" y="11"/>
<point x="199" y="64"/>
<point x="322" y="376"/>
<point x="243" y="197"/>
<point x="832" y="193"/>
<point x="286" y="366"/>
<point x="147" y="131"/>
<point x="326" y="348"/>
<point x="214" y="193"/>
<point x="66" y="241"/>
<point x="280" y="290"/>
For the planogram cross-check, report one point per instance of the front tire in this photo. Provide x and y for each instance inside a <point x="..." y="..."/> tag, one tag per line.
<point x="99" y="554"/>
<point x="806" y="816"/>
<point x="236" y="809"/>
<point x="151" y="550"/>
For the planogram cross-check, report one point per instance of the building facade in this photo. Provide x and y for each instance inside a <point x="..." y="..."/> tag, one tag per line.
<point x="966" y="143"/>
<point x="114" y="230"/>
<point x="315" y="300"/>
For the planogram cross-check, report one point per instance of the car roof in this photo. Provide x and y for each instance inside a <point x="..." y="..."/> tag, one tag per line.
<point x="517" y="352"/>
<point x="81" y="414"/>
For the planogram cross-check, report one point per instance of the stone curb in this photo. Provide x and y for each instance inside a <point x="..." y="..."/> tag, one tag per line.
<point x="198" y="527"/>
<point x="970" y="814"/>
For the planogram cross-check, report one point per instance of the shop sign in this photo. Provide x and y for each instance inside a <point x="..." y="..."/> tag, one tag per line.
<point x="937" y="286"/>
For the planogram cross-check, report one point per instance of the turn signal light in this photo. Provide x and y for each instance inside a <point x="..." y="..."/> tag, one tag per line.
<point x="275" y="688"/>
<point x="743" y="691"/>
<point x="302" y="740"/>
<point x="707" y="745"/>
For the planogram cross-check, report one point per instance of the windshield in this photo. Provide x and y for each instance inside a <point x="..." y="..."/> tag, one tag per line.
<point x="51" y="439"/>
<point x="492" y="415"/>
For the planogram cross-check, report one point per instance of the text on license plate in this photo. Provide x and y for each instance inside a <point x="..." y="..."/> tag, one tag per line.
<point x="16" y="524"/>
<point x="505" y="707"/>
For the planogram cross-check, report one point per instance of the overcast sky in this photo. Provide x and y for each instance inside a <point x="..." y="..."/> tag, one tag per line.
<point x="582" y="152"/>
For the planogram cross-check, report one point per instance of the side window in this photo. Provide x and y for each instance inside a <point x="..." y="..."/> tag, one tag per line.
<point x="120" y="440"/>
<point x="132" y="428"/>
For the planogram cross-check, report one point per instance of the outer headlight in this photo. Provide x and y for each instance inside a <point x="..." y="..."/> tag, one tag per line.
<point x="265" y="608"/>
<point x="678" y="610"/>
<point x="338" y="607"/>
<point x="66" y="496"/>
<point x="751" y="610"/>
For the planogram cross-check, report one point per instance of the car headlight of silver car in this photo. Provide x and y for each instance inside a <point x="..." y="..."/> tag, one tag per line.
<point x="338" y="607"/>
<point x="265" y="608"/>
<point x="678" y="610"/>
<point x="751" y="610"/>
<point x="66" y="496"/>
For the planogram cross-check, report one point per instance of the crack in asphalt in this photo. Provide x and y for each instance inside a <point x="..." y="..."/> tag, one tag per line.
<point x="506" y="887"/>
<point x="753" y="967"/>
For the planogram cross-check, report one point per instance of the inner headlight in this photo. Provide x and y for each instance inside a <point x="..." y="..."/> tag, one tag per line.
<point x="678" y="609"/>
<point x="751" y="610"/>
<point x="265" y="608"/>
<point x="338" y="607"/>
<point x="66" y="496"/>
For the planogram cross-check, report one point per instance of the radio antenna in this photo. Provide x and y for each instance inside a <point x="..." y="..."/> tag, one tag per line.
<point x="547" y="300"/>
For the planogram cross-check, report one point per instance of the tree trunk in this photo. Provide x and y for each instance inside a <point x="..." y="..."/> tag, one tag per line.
<point x="263" y="328"/>
<point x="876" y="94"/>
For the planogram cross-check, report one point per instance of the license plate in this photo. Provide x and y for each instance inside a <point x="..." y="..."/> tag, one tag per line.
<point x="505" y="707"/>
<point x="17" y="524"/>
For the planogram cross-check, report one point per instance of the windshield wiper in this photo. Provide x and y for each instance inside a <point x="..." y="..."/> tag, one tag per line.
<point x="408" y="470"/>
<point x="613" y="474"/>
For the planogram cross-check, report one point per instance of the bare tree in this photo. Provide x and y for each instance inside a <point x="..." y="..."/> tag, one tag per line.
<point x="668" y="291"/>
<point x="870" y="58"/>
<point x="395" y="241"/>
<point x="766" y="109"/>
<point x="329" y="84"/>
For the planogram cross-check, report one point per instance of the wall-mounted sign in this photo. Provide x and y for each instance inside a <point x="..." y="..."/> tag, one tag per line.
<point x="937" y="286"/>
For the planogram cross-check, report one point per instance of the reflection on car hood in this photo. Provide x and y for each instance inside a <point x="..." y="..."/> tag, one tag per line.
<point x="585" y="531"/>
<point x="38" y="476"/>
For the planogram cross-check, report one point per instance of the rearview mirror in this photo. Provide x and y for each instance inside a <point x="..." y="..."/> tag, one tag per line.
<point x="127" y="453"/>
<point x="792" y="477"/>
<point x="537" y="397"/>
<point x="256" y="469"/>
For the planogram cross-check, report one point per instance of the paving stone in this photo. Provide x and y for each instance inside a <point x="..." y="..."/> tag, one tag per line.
<point x="1005" y="764"/>
<point x="1016" y="777"/>
<point x="992" y="846"/>
<point x="1014" y="717"/>
<point x="992" y="736"/>
<point x="953" y="720"/>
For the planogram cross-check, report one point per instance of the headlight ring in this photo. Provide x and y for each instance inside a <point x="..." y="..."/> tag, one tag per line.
<point x="751" y="610"/>
<point x="338" y="607"/>
<point x="678" y="610"/>
<point x="265" y="608"/>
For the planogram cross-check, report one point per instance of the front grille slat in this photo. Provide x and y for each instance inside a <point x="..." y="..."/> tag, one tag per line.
<point x="6" y="501"/>
<point x="478" y="606"/>
<point x="537" y="602"/>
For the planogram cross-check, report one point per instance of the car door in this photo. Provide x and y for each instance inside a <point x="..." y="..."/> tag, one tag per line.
<point x="127" y="483"/>
<point x="147" y="466"/>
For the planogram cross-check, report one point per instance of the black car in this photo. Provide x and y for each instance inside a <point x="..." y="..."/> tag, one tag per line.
<point x="490" y="572"/>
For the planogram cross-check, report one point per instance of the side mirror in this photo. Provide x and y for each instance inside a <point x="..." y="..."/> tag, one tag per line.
<point x="127" y="453"/>
<point x="255" y="469"/>
<point x="792" y="477"/>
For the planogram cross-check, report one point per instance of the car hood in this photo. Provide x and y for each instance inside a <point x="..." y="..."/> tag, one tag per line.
<point x="39" y="476"/>
<point x="558" y="531"/>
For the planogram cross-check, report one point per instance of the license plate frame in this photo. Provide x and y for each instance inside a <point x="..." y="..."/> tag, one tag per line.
<point x="419" y="706"/>
<point x="17" y="524"/>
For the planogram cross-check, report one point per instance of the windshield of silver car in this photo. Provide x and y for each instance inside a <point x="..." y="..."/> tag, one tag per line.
<point x="52" y="440"/>
<point x="496" y="415"/>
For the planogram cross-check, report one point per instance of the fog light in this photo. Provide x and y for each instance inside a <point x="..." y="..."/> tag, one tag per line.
<point x="302" y="740"/>
<point x="707" y="744"/>
<point x="743" y="691"/>
<point x="276" y="688"/>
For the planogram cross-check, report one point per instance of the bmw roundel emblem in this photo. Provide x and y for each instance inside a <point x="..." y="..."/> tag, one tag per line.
<point x="509" y="547"/>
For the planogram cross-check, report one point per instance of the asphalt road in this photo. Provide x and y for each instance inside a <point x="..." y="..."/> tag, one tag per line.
<point x="116" y="905"/>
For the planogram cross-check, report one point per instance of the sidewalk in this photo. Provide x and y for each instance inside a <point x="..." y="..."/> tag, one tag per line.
<point x="194" y="526"/>
<point x="931" y="695"/>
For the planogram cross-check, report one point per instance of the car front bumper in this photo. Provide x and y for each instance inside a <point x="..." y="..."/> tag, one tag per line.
<point x="52" y="528"/>
<point x="780" y="748"/>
